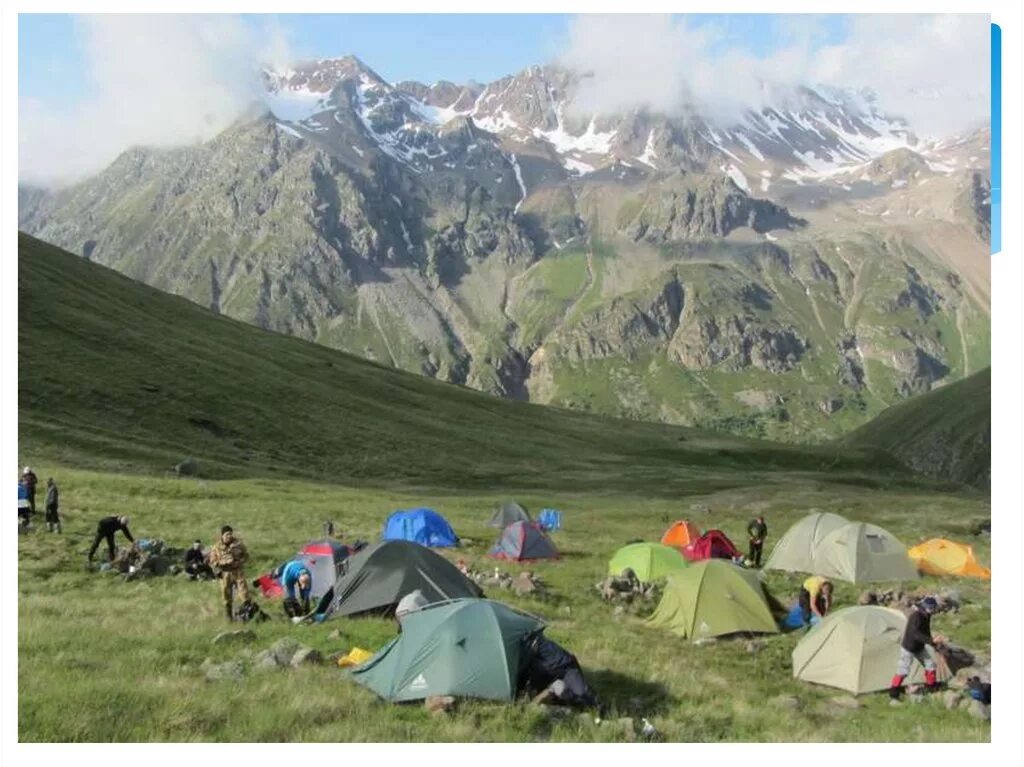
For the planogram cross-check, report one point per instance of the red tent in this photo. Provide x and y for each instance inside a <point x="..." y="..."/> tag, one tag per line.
<point x="714" y="544"/>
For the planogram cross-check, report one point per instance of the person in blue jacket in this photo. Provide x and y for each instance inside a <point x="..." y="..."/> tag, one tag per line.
<point x="291" y="575"/>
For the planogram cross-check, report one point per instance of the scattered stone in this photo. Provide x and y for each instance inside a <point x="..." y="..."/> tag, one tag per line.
<point x="786" y="701"/>
<point x="868" y="598"/>
<point x="284" y="649"/>
<point x="439" y="704"/>
<point x="187" y="468"/>
<point x="754" y="646"/>
<point x="845" y="701"/>
<point x="950" y="699"/>
<point x="705" y="640"/>
<point x="232" y="669"/>
<point x="979" y="710"/>
<point x="264" y="661"/>
<point x="335" y="635"/>
<point x="700" y="508"/>
<point x="241" y="635"/>
<point x="916" y="697"/>
<point x="566" y="611"/>
<point x="306" y="655"/>
<point x="524" y="585"/>
<point x="618" y="611"/>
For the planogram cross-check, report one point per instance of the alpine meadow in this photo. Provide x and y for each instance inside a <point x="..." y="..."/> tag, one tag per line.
<point x="524" y="410"/>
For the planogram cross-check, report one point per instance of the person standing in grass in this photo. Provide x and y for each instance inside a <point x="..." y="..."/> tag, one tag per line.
<point x="227" y="558"/>
<point x="52" y="512"/>
<point x="30" y="480"/>
<point x="758" y="531"/>
<point x="105" y="531"/>
<point x="917" y="636"/>
<point x="815" y="599"/>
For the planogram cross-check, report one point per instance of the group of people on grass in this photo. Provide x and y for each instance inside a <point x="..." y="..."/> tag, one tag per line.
<point x="27" y="501"/>
<point x="553" y="673"/>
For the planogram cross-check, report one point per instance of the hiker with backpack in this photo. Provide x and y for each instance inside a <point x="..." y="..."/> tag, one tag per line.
<point x="758" y="531"/>
<point x="105" y="530"/>
<point x="52" y="511"/>
<point x="291" y="575"/>
<point x="228" y="558"/>
<point x="917" y="637"/>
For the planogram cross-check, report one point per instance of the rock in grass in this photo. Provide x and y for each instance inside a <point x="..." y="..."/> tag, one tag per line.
<point x="439" y="704"/>
<point x="786" y="701"/>
<point x="240" y="635"/>
<point x="264" y="661"/>
<point x="950" y="699"/>
<point x="284" y="649"/>
<point x="626" y="727"/>
<point x="306" y="655"/>
<point x="336" y="635"/>
<point x="979" y="710"/>
<point x="845" y="701"/>
<point x="232" y="669"/>
<point x="754" y="646"/>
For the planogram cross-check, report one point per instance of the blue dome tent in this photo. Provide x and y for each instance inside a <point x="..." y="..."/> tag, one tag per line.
<point x="423" y="526"/>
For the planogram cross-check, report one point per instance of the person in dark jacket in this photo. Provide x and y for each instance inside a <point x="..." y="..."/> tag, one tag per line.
<point x="105" y="530"/>
<point x="758" y="531"/>
<point x="917" y="637"/>
<point x="555" y="672"/>
<point x="196" y="566"/>
<point x="52" y="511"/>
<point x="29" y="480"/>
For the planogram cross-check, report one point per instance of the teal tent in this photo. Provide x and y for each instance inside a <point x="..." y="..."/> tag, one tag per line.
<point x="468" y="648"/>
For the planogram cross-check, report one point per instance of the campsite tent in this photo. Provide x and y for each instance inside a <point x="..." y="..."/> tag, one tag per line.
<point x="681" y="534"/>
<point x="377" y="577"/>
<point x="465" y="647"/>
<point x="550" y="519"/>
<point x="939" y="556"/>
<point x="650" y="561"/>
<point x="712" y="598"/>
<point x="423" y="526"/>
<point x="323" y="559"/>
<point x="506" y="513"/>
<point x="856" y="649"/>
<point x="714" y="544"/>
<point x="523" y="540"/>
<point x="829" y="545"/>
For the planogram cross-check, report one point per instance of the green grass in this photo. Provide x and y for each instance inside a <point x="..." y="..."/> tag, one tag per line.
<point x="118" y="381"/>
<point x="101" y="659"/>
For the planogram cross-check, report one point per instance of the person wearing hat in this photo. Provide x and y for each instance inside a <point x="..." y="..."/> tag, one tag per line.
<point x="291" y="575"/>
<point x="105" y="530"/>
<point x="30" y="480"/>
<point x="227" y="558"/>
<point x="917" y="636"/>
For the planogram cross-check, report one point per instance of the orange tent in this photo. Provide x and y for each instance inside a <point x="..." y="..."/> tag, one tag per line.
<point x="681" y="534"/>
<point x="939" y="556"/>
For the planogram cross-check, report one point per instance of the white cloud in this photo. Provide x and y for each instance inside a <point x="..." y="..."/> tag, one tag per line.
<point x="160" y="80"/>
<point x="932" y="70"/>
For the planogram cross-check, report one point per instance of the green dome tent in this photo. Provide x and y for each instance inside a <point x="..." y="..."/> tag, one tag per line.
<point x="650" y="561"/>
<point x="466" y="648"/>
<point x="711" y="598"/>
<point x="832" y="546"/>
<point x="856" y="649"/>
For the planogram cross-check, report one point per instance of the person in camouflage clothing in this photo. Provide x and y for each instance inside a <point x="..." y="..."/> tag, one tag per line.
<point x="227" y="558"/>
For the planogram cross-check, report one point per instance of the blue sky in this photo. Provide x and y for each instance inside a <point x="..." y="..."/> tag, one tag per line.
<point x="53" y="66"/>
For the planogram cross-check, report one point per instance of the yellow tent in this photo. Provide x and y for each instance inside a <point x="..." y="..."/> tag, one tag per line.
<point x="941" y="557"/>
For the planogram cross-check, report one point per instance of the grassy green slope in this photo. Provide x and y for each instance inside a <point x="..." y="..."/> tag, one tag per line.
<point x="116" y="375"/>
<point x="946" y="432"/>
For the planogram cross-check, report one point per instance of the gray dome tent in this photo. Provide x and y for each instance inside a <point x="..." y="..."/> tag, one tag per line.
<point x="379" y="576"/>
<point x="506" y="513"/>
